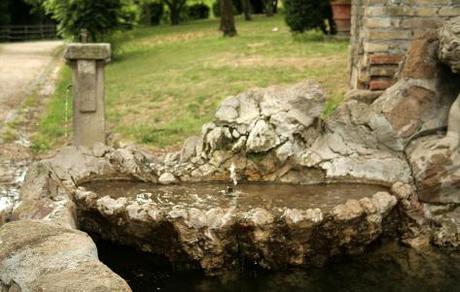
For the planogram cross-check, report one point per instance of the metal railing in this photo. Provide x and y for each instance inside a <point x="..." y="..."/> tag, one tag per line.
<point x="12" y="33"/>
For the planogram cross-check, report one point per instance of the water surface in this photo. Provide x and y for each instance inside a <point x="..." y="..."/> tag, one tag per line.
<point x="246" y="195"/>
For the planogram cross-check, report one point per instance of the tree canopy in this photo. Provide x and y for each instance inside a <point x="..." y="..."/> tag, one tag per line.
<point x="99" y="17"/>
<point x="303" y="15"/>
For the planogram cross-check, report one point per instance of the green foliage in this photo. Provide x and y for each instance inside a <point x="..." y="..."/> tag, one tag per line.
<point x="52" y="127"/>
<point x="198" y="11"/>
<point x="331" y="105"/>
<point x="303" y="15"/>
<point x="99" y="17"/>
<point x="4" y="12"/>
<point x="237" y="8"/>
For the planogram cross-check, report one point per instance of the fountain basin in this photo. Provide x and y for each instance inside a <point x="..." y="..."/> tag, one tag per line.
<point x="272" y="226"/>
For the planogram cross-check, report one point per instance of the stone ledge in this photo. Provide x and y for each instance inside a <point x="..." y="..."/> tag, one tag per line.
<point x="79" y="51"/>
<point x="42" y="256"/>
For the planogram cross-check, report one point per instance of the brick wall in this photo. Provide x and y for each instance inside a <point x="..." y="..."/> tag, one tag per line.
<point x="381" y="32"/>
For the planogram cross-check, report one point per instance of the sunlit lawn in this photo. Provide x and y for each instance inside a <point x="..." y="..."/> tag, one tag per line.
<point x="165" y="82"/>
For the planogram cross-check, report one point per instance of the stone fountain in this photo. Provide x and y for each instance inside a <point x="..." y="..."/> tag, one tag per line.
<point x="404" y="178"/>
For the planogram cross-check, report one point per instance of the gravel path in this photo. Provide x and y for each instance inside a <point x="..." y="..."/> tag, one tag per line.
<point x="24" y="68"/>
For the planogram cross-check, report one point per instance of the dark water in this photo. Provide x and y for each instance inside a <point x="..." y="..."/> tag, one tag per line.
<point x="386" y="267"/>
<point x="250" y="195"/>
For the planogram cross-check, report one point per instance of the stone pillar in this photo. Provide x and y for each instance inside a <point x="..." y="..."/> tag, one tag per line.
<point x="87" y="62"/>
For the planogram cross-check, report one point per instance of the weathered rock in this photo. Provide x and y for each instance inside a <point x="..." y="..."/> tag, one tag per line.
<point x="192" y="147"/>
<point x="262" y="137"/>
<point x="421" y="61"/>
<point x="384" y="202"/>
<point x="167" y="178"/>
<point x="348" y="211"/>
<point x="6" y="208"/>
<point x="436" y="171"/>
<point x="228" y="110"/>
<point x="35" y="256"/>
<point x="366" y="96"/>
<point x="446" y="225"/>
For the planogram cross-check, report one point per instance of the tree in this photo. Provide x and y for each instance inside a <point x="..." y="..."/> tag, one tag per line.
<point x="302" y="15"/>
<point x="99" y="18"/>
<point x="227" y="21"/>
<point x="246" y="9"/>
<point x="269" y="8"/>
<point x="175" y="8"/>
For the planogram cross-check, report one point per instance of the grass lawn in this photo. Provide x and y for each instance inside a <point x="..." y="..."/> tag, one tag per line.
<point x="164" y="82"/>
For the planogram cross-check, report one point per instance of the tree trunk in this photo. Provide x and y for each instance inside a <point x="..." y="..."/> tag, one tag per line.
<point x="227" y="21"/>
<point x="147" y="15"/>
<point x="175" y="7"/>
<point x="174" y="15"/>
<point x="269" y="8"/>
<point x="246" y="9"/>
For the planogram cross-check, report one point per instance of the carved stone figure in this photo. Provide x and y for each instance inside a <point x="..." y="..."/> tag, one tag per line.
<point x="449" y="53"/>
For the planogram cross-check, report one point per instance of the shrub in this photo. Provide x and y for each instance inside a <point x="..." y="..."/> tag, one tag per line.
<point x="100" y="17"/>
<point x="198" y="11"/>
<point x="302" y="15"/>
<point x="237" y="7"/>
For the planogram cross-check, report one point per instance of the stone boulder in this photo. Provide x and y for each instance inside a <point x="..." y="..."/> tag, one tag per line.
<point x="39" y="256"/>
<point x="266" y="118"/>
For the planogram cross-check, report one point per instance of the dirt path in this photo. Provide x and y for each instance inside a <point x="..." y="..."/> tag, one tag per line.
<point x="22" y="67"/>
<point x="25" y="69"/>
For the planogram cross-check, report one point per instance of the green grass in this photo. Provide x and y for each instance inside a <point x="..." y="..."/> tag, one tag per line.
<point x="51" y="130"/>
<point x="165" y="82"/>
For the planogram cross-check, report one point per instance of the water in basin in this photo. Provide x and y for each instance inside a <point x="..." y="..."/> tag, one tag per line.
<point x="246" y="195"/>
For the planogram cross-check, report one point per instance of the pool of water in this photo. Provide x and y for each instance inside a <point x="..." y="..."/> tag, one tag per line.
<point x="385" y="267"/>
<point x="246" y="195"/>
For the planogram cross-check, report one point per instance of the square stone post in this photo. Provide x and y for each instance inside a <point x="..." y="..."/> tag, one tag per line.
<point x="87" y="62"/>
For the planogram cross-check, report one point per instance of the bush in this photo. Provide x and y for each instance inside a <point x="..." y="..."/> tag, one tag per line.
<point x="237" y="8"/>
<point x="100" y="17"/>
<point x="198" y="11"/>
<point x="302" y="15"/>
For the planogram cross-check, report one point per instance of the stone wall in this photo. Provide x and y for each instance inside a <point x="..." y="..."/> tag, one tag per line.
<point x="381" y="32"/>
